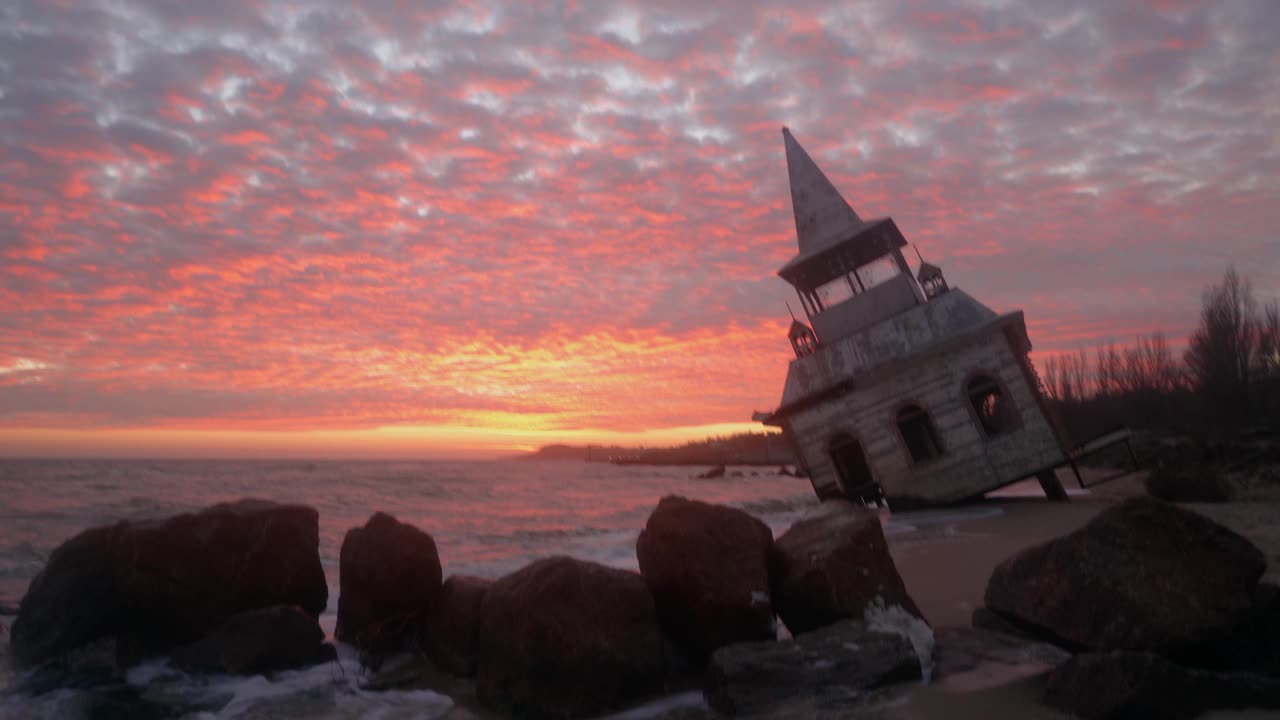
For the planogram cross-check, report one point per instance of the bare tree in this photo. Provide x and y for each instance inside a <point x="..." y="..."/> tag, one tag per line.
<point x="1066" y="377"/>
<point x="1108" y="372"/>
<point x="1167" y="374"/>
<point x="1076" y="376"/>
<point x="1269" y="341"/>
<point x="1148" y="367"/>
<point x="1222" y="347"/>
<point x="1051" y="377"/>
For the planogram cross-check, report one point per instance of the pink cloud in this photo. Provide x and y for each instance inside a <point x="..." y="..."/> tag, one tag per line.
<point x="269" y="216"/>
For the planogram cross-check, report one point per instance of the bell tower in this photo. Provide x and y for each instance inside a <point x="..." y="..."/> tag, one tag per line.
<point x="930" y="278"/>
<point x="803" y="341"/>
<point x="850" y="272"/>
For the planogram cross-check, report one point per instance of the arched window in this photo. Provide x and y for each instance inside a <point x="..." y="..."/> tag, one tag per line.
<point x="991" y="405"/>
<point x="853" y="470"/>
<point x="918" y="434"/>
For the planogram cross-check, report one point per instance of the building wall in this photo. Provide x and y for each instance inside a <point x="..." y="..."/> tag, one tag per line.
<point x="971" y="463"/>
<point x="910" y="331"/>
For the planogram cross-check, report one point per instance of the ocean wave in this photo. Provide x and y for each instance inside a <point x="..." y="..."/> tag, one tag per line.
<point x="780" y="506"/>
<point x="544" y="534"/>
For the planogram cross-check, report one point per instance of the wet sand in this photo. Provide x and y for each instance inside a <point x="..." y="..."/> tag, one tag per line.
<point x="946" y="565"/>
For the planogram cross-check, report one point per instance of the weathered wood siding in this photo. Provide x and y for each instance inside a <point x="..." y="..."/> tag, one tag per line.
<point x="971" y="463"/>
<point x="916" y="330"/>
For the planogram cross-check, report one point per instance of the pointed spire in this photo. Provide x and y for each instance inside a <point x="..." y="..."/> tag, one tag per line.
<point x="822" y="215"/>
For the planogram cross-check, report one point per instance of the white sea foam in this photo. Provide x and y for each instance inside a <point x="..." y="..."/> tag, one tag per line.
<point x="330" y="691"/>
<point x="654" y="708"/>
<point x="896" y="620"/>
<point x="327" y="691"/>
<point x="151" y="671"/>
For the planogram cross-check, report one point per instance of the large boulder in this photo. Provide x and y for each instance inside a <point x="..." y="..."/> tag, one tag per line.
<point x="566" y="638"/>
<point x="1253" y="644"/>
<point x="708" y="568"/>
<point x="266" y="640"/>
<point x="187" y="575"/>
<point x="167" y="583"/>
<point x="1117" y="685"/>
<point x="833" y="567"/>
<point x="1143" y="575"/>
<point x="389" y="574"/>
<point x="449" y="631"/>
<point x="72" y="601"/>
<point x="840" y="660"/>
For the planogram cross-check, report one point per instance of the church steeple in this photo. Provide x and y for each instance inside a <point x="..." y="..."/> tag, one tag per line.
<point x="850" y="272"/>
<point x="823" y="217"/>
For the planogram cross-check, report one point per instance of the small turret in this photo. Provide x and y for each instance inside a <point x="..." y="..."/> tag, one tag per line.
<point x="930" y="278"/>
<point x="803" y="341"/>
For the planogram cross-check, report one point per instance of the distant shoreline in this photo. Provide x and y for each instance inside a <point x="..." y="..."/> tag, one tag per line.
<point x="763" y="450"/>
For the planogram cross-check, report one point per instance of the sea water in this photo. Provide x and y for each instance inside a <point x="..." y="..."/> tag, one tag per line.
<point x="487" y="518"/>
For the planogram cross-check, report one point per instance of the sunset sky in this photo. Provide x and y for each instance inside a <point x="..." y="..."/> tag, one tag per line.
<point x="436" y="229"/>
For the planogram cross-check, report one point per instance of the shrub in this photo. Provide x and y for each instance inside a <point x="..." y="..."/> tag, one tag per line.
<point x="1194" y="482"/>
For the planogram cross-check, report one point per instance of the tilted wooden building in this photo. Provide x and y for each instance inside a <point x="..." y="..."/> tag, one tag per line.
<point x="902" y="388"/>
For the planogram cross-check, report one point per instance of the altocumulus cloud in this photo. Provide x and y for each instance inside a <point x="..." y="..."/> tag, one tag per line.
<point x="290" y="215"/>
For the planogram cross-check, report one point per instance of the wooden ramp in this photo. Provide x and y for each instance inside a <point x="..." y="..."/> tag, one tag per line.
<point x="1115" y="436"/>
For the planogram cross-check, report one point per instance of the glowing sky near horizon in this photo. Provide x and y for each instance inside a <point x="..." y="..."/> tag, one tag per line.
<point x="302" y="227"/>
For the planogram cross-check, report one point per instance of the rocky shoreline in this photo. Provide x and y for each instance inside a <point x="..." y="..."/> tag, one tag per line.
<point x="1149" y="609"/>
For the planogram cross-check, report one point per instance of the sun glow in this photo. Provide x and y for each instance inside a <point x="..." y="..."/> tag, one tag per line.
<point x="399" y="442"/>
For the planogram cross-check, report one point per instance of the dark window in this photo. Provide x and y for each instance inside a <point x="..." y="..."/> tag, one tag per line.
<point x="992" y="407"/>
<point x="918" y="433"/>
<point x="853" y="470"/>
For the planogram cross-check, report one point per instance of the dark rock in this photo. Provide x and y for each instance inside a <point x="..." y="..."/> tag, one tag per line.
<point x="167" y="583"/>
<point x="987" y="619"/>
<point x="708" y="568"/>
<point x="389" y="573"/>
<point x="974" y="658"/>
<point x="266" y="640"/>
<point x="72" y="602"/>
<point x="565" y="638"/>
<point x="1143" y="575"/>
<point x="1187" y="482"/>
<point x="715" y="472"/>
<point x="842" y="659"/>
<point x="449" y="631"/>
<point x="832" y="567"/>
<point x="185" y="576"/>
<point x="1118" y="684"/>
<point x="1254" y="643"/>
<point x="1265" y="626"/>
